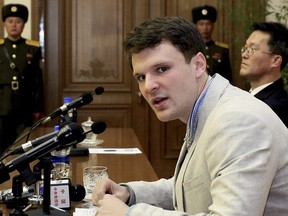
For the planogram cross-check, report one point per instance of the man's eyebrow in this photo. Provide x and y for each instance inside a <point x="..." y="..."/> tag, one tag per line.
<point x="154" y="67"/>
<point x="253" y="44"/>
<point x="135" y="74"/>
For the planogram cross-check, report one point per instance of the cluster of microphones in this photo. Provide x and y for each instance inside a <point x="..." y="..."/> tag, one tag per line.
<point x="68" y="135"/>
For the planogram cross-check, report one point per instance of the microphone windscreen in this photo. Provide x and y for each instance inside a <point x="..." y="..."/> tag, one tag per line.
<point x="98" y="127"/>
<point x="77" y="192"/>
<point x="99" y="90"/>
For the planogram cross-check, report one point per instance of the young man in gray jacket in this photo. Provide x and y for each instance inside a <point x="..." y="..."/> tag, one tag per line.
<point x="234" y="156"/>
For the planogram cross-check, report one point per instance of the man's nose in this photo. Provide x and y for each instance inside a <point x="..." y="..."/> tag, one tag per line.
<point x="150" y="83"/>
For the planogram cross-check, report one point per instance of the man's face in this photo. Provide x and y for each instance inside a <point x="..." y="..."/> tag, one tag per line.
<point x="257" y="64"/>
<point x="166" y="81"/>
<point x="14" y="26"/>
<point x="205" y="27"/>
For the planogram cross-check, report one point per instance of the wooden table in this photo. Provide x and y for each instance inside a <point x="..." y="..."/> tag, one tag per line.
<point x="121" y="168"/>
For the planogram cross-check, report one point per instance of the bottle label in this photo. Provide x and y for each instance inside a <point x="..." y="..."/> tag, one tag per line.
<point x="59" y="159"/>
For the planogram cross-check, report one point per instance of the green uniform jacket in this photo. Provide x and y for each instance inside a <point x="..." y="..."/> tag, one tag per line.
<point x="21" y="86"/>
<point x="218" y="60"/>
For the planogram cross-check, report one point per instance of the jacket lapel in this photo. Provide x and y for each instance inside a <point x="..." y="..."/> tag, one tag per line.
<point x="211" y="98"/>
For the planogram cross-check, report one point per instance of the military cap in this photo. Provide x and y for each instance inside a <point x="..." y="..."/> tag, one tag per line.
<point x="15" y="10"/>
<point x="204" y="12"/>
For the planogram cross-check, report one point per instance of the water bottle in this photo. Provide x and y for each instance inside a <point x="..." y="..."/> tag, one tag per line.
<point x="61" y="162"/>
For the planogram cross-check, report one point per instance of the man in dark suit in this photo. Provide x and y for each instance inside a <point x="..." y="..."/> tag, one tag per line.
<point x="217" y="53"/>
<point x="21" y="83"/>
<point x="264" y="56"/>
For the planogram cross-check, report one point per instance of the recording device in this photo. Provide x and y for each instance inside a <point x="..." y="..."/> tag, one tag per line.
<point x="69" y="134"/>
<point x="86" y="98"/>
<point x="31" y="144"/>
<point x="63" y="192"/>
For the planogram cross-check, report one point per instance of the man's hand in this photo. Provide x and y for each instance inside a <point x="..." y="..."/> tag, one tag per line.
<point x="106" y="186"/>
<point x="110" y="205"/>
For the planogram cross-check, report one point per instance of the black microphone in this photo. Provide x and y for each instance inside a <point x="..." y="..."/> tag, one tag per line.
<point x="77" y="192"/>
<point x="84" y="99"/>
<point x="31" y="144"/>
<point x="96" y="128"/>
<point x="72" y="133"/>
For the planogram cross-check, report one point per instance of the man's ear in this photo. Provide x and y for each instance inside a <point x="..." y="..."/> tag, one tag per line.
<point x="277" y="61"/>
<point x="200" y="64"/>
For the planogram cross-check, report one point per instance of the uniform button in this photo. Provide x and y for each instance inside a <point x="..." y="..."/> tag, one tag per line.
<point x="219" y="60"/>
<point x="208" y="66"/>
<point x="206" y="48"/>
<point x="207" y="56"/>
<point x="14" y="46"/>
<point x="14" y="56"/>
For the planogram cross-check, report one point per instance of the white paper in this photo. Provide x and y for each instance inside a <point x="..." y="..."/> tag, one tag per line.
<point x="114" y="151"/>
<point x="85" y="212"/>
<point x="86" y="209"/>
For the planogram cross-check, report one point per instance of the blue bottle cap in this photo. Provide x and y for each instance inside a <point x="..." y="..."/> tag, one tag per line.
<point x="56" y="128"/>
<point x="67" y="99"/>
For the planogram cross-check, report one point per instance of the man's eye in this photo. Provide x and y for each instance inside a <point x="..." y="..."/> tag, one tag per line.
<point x="140" y="78"/>
<point x="162" y="69"/>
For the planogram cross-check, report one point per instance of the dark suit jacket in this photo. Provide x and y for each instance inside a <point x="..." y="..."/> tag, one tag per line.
<point x="276" y="97"/>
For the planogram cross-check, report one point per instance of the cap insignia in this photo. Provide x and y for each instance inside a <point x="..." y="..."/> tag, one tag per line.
<point x="204" y="12"/>
<point x="13" y="9"/>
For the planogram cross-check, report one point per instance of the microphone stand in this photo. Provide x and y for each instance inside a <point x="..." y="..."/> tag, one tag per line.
<point x="46" y="162"/>
<point x="17" y="191"/>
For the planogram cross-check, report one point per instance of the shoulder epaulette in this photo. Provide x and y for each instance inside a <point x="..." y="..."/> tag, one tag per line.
<point x="221" y="44"/>
<point x="33" y="43"/>
<point x="1" y="41"/>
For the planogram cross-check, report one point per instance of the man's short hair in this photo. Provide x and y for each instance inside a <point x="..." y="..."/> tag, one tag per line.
<point x="278" y="42"/>
<point x="178" y="31"/>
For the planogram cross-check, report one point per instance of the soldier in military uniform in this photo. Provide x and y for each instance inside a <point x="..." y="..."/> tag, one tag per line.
<point x="21" y="81"/>
<point x="217" y="53"/>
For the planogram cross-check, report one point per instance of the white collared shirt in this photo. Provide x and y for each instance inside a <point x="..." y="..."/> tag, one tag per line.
<point x="258" y="89"/>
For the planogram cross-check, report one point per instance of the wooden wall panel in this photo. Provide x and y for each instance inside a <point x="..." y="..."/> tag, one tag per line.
<point x="97" y="42"/>
<point x="92" y="56"/>
<point x="113" y="117"/>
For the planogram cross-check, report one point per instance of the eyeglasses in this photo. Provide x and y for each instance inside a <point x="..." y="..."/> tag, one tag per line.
<point x="251" y="50"/>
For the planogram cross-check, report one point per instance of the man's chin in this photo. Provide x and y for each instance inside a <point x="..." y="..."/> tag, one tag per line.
<point x="164" y="118"/>
<point x="243" y="72"/>
<point x="205" y="36"/>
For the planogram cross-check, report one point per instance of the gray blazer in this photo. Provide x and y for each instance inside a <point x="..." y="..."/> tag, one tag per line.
<point x="237" y="164"/>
